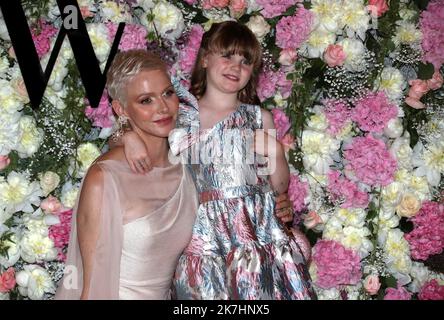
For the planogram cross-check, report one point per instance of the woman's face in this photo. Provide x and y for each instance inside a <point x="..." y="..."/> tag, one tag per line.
<point x="152" y="103"/>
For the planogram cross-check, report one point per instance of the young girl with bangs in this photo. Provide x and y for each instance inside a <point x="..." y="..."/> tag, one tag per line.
<point x="239" y="249"/>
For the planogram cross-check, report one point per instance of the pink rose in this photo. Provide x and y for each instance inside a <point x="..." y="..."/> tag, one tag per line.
<point x="4" y="162"/>
<point x="436" y="81"/>
<point x="237" y="7"/>
<point x="7" y="280"/>
<point x="414" y="103"/>
<point x="377" y="7"/>
<point x="287" y="142"/>
<point x="418" y="88"/>
<point x="287" y="57"/>
<point x="86" y="13"/>
<point x="334" y="55"/>
<point x="312" y="219"/>
<point x="372" y="284"/>
<point x="51" y="205"/>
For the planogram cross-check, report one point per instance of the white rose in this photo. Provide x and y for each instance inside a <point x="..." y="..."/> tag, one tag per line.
<point x="394" y="128"/>
<point x="409" y="205"/>
<point x="259" y="26"/>
<point x="48" y="182"/>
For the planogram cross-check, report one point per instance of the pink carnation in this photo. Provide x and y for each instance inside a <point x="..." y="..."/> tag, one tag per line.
<point x="335" y="265"/>
<point x="281" y="122"/>
<point x="276" y="7"/>
<point x="431" y="291"/>
<point x="373" y="112"/>
<point x="297" y="192"/>
<point x="7" y="280"/>
<point x="60" y="233"/>
<point x="272" y="81"/>
<point x="427" y="236"/>
<point x="42" y="35"/>
<point x="370" y="161"/>
<point x="188" y="55"/>
<point x="134" y="36"/>
<point x="292" y="31"/>
<point x="337" y="114"/>
<point x="344" y="189"/>
<point x="102" y="115"/>
<point x="432" y="28"/>
<point x="397" y="294"/>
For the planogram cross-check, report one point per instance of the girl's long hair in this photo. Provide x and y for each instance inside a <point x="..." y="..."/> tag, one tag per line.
<point x="228" y="37"/>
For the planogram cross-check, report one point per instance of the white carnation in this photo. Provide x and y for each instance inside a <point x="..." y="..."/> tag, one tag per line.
<point x="392" y="82"/>
<point x="407" y="33"/>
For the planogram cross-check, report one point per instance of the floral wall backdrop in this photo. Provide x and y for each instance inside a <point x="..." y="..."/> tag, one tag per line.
<point x="356" y="91"/>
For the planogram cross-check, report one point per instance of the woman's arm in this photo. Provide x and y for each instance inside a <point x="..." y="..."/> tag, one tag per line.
<point x="88" y="222"/>
<point x="280" y="173"/>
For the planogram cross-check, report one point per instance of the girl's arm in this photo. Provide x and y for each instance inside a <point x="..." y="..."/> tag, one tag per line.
<point x="88" y="222"/>
<point x="280" y="173"/>
<point x="135" y="151"/>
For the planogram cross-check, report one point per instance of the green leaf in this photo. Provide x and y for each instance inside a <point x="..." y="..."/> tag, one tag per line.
<point x="390" y="282"/>
<point x="422" y="4"/>
<point x="425" y="71"/>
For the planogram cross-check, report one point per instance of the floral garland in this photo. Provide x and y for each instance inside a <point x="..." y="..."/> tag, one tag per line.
<point x="356" y="92"/>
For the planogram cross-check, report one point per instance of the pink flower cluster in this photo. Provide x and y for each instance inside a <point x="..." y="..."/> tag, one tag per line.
<point x="337" y="114"/>
<point x="271" y="81"/>
<point x="400" y="293"/>
<point x="42" y="37"/>
<point x="281" y="122"/>
<point x="373" y="112"/>
<point x="335" y="265"/>
<point x="218" y="4"/>
<point x="188" y="55"/>
<point x="431" y="291"/>
<point x="343" y="189"/>
<point x="7" y="280"/>
<point x="276" y="7"/>
<point x="370" y="161"/>
<point x="292" y="31"/>
<point x="134" y="36"/>
<point x="297" y="191"/>
<point x="60" y="233"/>
<point x="102" y="115"/>
<point x="432" y="28"/>
<point x="427" y="236"/>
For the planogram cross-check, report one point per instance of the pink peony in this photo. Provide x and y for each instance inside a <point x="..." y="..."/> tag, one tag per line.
<point x="276" y="7"/>
<point x="297" y="192"/>
<point x="337" y="114"/>
<point x="373" y="111"/>
<point x="281" y="122"/>
<point x="377" y="7"/>
<point x="292" y="31"/>
<point x="272" y="81"/>
<point x="346" y="191"/>
<point x="370" y="161"/>
<point x="288" y="57"/>
<point x="134" y="36"/>
<point x="397" y="294"/>
<point x="431" y="291"/>
<point x="102" y="115"/>
<point x="42" y="35"/>
<point x="335" y="265"/>
<point x="188" y="55"/>
<point x="432" y="29"/>
<point x="427" y="236"/>
<point x="334" y="55"/>
<point x="7" y="280"/>
<point x="436" y="81"/>
<point x="60" y="233"/>
<point x="4" y="162"/>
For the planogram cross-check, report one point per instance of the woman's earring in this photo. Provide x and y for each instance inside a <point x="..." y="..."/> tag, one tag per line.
<point x="122" y="124"/>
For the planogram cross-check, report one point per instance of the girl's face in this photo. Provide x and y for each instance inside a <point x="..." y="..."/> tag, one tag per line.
<point x="228" y="73"/>
<point x="152" y="103"/>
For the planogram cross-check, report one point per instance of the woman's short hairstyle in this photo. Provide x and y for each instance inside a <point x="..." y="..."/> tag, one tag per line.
<point x="125" y="66"/>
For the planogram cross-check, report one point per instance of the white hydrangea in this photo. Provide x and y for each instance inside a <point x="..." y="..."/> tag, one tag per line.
<point x="86" y="154"/>
<point x="17" y="193"/>
<point x="392" y="82"/>
<point x="168" y="20"/>
<point x="9" y="132"/>
<point x="354" y="50"/>
<point x="429" y="161"/>
<point x="318" y="148"/>
<point x="30" y="138"/>
<point x="355" y="18"/>
<point x="34" y="281"/>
